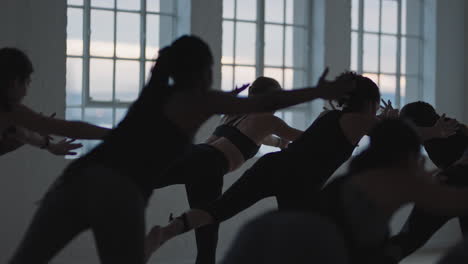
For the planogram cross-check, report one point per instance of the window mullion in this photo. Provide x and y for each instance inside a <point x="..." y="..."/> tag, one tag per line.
<point x="284" y="44"/>
<point x="398" y="51"/>
<point x="360" y="52"/>
<point x="142" y="44"/>
<point x="379" y="48"/>
<point x="114" y="62"/>
<point x="86" y="54"/>
<point x="234" y="46"/>
<point x="260" y="42"/>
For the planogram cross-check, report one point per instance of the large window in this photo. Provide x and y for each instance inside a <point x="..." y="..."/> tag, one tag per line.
<point x="111" y="46"/>
<point x="386" y="45"/>
<point x="386" y="40"/>
<point x="267" y="38"/>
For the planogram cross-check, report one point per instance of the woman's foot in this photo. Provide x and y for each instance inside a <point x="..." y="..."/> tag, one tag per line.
<point x="153" y="241"/>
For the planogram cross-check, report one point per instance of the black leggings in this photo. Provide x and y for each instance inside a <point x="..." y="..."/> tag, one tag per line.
<point x="417" y="230"/>
<point x="201" y="169"/>
<point x="274" y="174"/>
<point x="99" y="199"/>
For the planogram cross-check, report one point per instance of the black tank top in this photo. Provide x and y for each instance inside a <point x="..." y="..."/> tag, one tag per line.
<point x="229" y="130"/>
<point x="322" y="148"/>
<point x="141" y="146"/>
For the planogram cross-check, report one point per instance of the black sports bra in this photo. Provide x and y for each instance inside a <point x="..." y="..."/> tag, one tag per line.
<point x="229" y="130"/>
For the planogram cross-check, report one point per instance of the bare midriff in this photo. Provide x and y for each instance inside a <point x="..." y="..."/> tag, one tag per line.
<point x="231" y="152"/>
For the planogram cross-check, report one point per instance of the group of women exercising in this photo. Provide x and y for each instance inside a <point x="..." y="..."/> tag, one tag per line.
<point x="107" y="190"/>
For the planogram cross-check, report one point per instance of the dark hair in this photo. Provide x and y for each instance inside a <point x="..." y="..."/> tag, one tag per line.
<point x="263" y="85"/>
<point x="391" y="141"/>
<point x="186" y="57"/>
<point x="366" y="91"/>
<point x="14" y="65"/>
<point x="420" y="113"/>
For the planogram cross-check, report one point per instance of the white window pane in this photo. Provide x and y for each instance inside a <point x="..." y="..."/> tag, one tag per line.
<point x="127" y="80"/>
<point x="73" y="114"/>
<point x="273" y="45"/>
<point x="245" y="43"/>
<point x="74" y="31"/>
<point x="388" y="56"/>
<point x="289" y="79"/>
<point x="166" y="30"/>
<point x="274" y="73"/>
<point x="152" y="5"/>
<point x="128" y="4"/>
<point x="120" y="114"/>
<point x="100" y="83"/>
<point x="402" y="91"/>
<point x="354" y="51"/>
<point x="299" y="79"/>
<point x="370" y="52"/>
<point x="355" y="14"/>
<point x="99" y="116"/>
<point x="411" y="86"/>
<point x="246" y="9"/>
<point x="128" y="35"/>
<point x="289" y="47"/>
<point x="412" y="56"/>
<point x="102" y="3"/>
<point x="404" y="14"/>
<point x="226" y="79"/>
<point x="373" y="77"/>
<point x="148" y="68"/>
<point x="75" y="2"/>
<point x="152" y="36"/>
<point x="102" y="33"/>
<point x="274" y="11"/>
<point x="228" y="8"/>
<point x="389" y="16"/>
<point x="74" y="81"/>
<point x="371" y="15"/>
<point x="299" y="47"/>
<point x="388" y="87"/>
<point x="244" y="75"/>
<point x="228" y="42"/>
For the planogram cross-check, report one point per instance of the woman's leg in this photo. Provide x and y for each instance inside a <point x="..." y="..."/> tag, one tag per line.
<point x="257" y="183"/>
<point x="115" y="208"/>
<point x="200" y="194"/>
<point x="55" y="223"/>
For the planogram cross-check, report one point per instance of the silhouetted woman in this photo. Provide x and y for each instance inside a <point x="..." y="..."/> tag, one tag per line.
<point x="236" y="140"/>
<point x="107" y="190"/>
<point x="387" y="175"/>
<point x="20" y="125"/>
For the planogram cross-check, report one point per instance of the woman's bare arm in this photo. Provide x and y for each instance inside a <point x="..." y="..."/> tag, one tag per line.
<point x="25" y="117"/>
<point x="225" y="103"/>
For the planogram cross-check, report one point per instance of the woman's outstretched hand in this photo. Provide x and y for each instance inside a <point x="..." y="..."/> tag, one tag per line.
<point x="388" y="111"/>
<point x="336" y="89"/>
<point x="64" y="147"/>
<point x="238" y="90"/>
